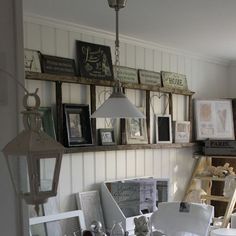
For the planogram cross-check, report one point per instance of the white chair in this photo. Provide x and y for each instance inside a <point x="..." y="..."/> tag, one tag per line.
<point x="192" y="221"/>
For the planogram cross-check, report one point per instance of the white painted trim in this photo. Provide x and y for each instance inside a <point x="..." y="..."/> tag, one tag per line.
<point x="64" y="25"/>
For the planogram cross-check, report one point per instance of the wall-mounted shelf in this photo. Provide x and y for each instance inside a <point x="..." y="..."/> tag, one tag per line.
<point x="59" y="79"/>
<point x="128" y="147"/>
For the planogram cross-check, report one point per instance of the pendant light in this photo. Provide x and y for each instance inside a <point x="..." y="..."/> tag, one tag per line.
<point x="117" y="105"/>
<point x="35" y="151"/>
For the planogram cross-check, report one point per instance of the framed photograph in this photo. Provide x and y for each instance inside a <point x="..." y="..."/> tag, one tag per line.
<point x="94" y="60"/>
<point x="32" y="60"/>
<point x="181" y="131"/>
<point x="48" y="124"/>
<point x="106" y="137"/>
<point x="58" y="65"/>
<point x="90" y="203"/>
<point x="136" y="130"/>
<point x="163" y="128"/>
<point x="214" y="119"/>
<point x="77" y="125"/>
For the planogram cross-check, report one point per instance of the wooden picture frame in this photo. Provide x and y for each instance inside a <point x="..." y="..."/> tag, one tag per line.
<point x="90" y="203"/>
<point x="163" y="128"/>
<point x="48" y="124"/>
<point x="77" y="127"/>
<point x="181" y="131"/>
<point x="106" y="137"/>
<point x="32" y="60"/>
<point x="214" y="119"/>
<point x="94" y="60"/>
<point x="136" y="130"/>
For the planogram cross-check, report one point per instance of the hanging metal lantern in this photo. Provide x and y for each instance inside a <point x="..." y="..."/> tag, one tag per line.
<point x="38" y="155"/>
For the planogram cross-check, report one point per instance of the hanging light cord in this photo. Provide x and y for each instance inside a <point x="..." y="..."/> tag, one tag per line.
<point x="13" y="78"/>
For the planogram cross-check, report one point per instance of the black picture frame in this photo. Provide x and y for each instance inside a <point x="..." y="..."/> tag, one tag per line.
<point x="94" y="61"/>
<point x="106" y="137"/>
<point x="77" y="125"/>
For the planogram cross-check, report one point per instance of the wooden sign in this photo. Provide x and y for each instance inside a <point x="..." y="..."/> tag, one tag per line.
<point x="94" y="61"/>
<point x="58" y="65"/>
<point x="32" y="60"/>
<point x="126" y="74"/>
<point x="149" y="77"/>
<point x="174" y="80"/>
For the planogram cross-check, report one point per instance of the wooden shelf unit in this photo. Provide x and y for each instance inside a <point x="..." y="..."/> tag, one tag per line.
<point x="59" y="79"/>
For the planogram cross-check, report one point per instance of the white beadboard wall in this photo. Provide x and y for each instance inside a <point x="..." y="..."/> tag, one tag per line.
<point x="85" y="171"/>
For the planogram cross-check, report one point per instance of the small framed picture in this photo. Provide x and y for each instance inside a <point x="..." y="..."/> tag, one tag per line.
<point x="106" y="137"/>
<point x="77" y="125"/>
<point x="163" y="128"/>
<point x="181" y="131"/>
<point x="136" y="130"/>
<point x="32" y="60"/>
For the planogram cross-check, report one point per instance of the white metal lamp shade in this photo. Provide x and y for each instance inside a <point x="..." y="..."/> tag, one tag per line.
<point x="117" y="106"/>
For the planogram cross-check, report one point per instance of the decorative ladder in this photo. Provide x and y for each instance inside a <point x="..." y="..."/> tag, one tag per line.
<point x="201" y="163"/>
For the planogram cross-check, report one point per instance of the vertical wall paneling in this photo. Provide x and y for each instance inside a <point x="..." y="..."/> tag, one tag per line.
<point x="100" y="167"/>
<point x="48" y="36"/>
<point x="85" y="171"/>
<point x="130" y="163"/>
<point x="62" y="43"/>
<point x="148" y="155"/>
<point x="121" y="164"/>
<point x="111" y="171"/>
<point x="77" y="173"/>
<point x="140" y="163"/>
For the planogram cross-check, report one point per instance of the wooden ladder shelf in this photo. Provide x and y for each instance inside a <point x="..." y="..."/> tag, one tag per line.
<point x="206" y="183"/>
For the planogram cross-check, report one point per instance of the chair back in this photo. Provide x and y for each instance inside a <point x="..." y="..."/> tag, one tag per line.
<point x="182" y="219"/>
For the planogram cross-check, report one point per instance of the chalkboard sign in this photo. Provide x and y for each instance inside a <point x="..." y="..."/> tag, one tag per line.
<point x="94" y="61"/>
<point x="58" y="65"/>
<point x="163" y="129"/>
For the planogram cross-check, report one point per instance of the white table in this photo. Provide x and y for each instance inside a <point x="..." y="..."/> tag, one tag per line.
<point x="223" y="232"/>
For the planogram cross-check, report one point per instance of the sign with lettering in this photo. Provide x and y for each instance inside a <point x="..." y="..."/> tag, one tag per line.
<point x="149" y="77"/>
<point x="94" y="61"/>
<point x="32" y="60"/>
<point x="174" y="80"/>
<point x="58" y="65"/>
<point x="126" y="74"/>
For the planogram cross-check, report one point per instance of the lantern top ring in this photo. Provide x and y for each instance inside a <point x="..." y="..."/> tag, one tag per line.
<point x="36" y="101"/>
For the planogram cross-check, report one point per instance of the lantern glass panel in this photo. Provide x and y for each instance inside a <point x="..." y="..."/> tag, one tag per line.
<point x="47" y="169"/>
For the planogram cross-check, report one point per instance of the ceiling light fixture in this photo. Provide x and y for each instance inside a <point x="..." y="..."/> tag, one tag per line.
<point x="117" y="105"/>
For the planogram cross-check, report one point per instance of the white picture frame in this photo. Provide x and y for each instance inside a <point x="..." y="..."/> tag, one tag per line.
<point x="163" y="128"/>
<point x="90" y="204"/>
<point x="214" y="119"/>
<point x="181" y="131"/>
<point x="136" y="130"/>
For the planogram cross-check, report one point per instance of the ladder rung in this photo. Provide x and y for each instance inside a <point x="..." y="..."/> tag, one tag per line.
<point x="215" y="198"/>
<point x="209" y="178"/>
